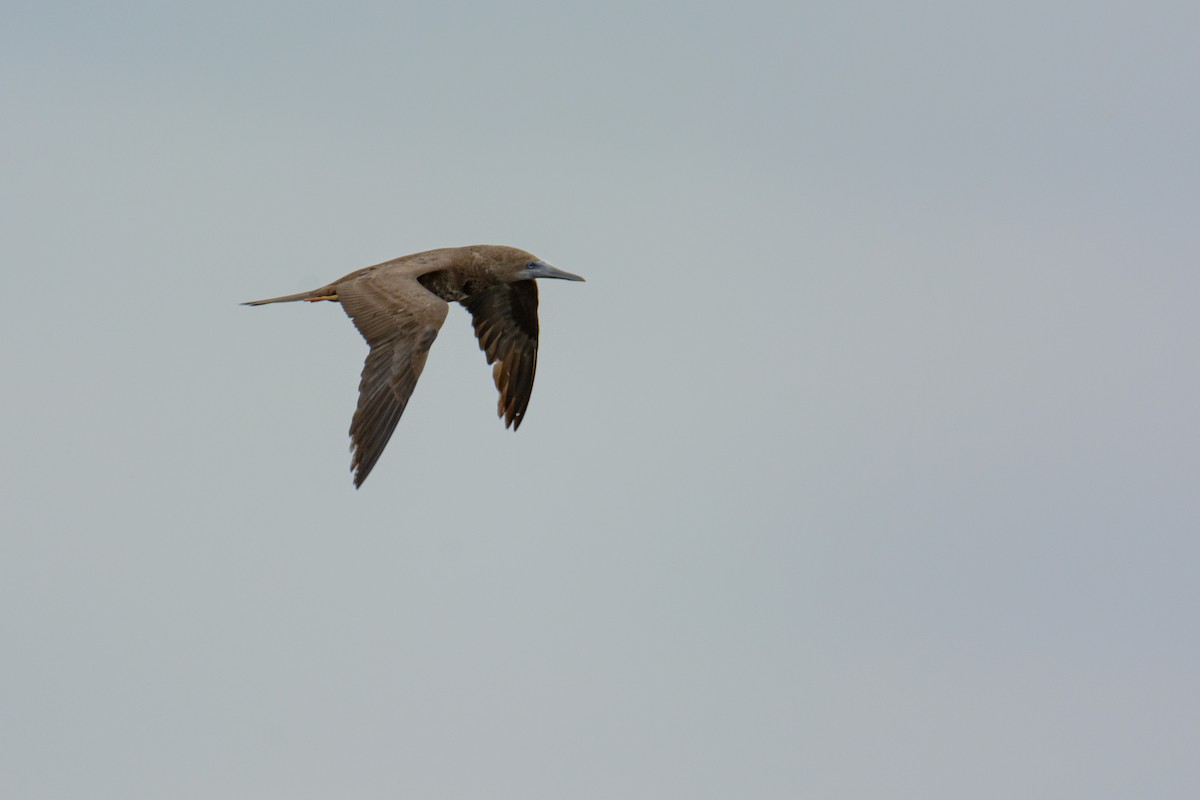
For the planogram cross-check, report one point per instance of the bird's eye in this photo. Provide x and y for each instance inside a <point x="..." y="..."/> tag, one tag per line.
<point x="531" y="265"/>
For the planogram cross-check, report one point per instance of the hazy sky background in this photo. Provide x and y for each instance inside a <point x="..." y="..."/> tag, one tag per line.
<point x="864" y="465"/>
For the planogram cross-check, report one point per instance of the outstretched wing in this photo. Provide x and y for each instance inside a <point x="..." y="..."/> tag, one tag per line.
<point x="506" y="323"/>
<point x="399" y="318"/>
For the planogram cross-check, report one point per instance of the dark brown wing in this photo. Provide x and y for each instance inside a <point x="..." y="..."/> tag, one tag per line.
<point x="506" y="324"/>
<point x="399" y="318"/>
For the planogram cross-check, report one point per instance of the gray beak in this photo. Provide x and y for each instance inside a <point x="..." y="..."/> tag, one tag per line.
<point x="540" y="269"/>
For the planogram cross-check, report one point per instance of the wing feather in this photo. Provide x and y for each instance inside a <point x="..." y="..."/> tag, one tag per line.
<point x="400" y="319"/>
<point x="506" y="324"/>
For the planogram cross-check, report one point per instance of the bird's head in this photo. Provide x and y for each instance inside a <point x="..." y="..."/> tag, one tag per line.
<point x="510" y="264"/>
<point x="536" y="268"/>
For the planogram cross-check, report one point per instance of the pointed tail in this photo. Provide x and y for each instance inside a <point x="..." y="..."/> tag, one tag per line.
<point x="291" y="298"/>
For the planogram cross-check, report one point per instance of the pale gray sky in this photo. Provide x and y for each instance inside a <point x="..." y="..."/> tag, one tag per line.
<point x="864" y="465"/>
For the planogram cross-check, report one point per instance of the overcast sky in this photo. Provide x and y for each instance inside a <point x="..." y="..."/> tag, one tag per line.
<point x="865" y="463"/>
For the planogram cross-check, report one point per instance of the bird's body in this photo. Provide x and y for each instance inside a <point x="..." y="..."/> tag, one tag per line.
<point x="399" y="307"/>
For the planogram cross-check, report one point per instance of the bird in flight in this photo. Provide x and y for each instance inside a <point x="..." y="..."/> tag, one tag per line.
<point x="399" y="307"/>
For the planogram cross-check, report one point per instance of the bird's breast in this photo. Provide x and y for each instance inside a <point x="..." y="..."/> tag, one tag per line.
<point x="451" y="287"/>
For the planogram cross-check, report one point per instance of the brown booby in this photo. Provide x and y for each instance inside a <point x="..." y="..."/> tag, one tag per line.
<point x="399" y="306"/>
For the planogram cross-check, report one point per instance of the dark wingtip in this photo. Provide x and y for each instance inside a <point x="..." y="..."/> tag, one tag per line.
<point x="359" y="477"/>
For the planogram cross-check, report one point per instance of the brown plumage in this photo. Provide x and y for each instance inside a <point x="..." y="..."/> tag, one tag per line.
<point x="399" y="307"/>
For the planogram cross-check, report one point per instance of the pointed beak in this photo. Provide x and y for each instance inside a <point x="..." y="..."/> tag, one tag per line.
<point x="540" y="269"/>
